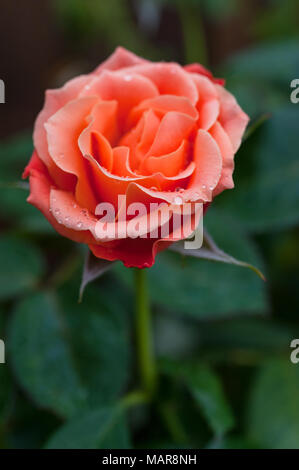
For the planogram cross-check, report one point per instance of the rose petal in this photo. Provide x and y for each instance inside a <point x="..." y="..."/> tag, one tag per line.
<point x="141" y="137"/>
<point x="120" y="58"/>
<point x="40" y="187"/>
<point x="163" y="104"/>
<point x="63" y="130"/>
<point x="169" y="164"/>
<point x="232" y="118"/>
<point x="198" y="68"/>
<point x="227" y="153"/>
<point x="169" y="78"/>
<point x="54" y="100"/>
<point x="127" y="89"/>
<point x="208" y="166"/>
<point x="121" y="162"/>
<point x="69" y="214"/>
<point x="208" y="102"/>
<point x="174" y="128"/>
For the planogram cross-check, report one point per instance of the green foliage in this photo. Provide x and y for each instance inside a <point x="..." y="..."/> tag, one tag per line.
<point x="268" y="197"/>
<point x="222" y="336"/>
<point x="101" y="428"/>
<point x="192" y="283"/>
<point x="68" y="356"/>
<point x="273" y="414"/>
<point x="207" y="392"/>
<point x="41" y="358"/>
<point x="21" y="266"/>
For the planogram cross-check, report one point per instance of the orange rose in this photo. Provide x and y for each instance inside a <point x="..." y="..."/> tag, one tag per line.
<point x="146" y="130"/>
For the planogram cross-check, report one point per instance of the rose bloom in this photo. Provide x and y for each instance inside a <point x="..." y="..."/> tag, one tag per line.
<point x="153" y="131"/>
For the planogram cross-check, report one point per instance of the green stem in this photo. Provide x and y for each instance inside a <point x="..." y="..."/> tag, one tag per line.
<point x="146" y="360"/>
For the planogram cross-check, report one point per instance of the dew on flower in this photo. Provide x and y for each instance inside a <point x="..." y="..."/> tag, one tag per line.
<point x="128" y="78"/>
<point x="79" y="225"/>
<point x="178" y="200"/>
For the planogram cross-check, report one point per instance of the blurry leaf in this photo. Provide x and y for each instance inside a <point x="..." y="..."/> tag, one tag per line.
<point x="41" y="357"/>
<point x="93" y="268"/>
<point x="69" y="357"/>
<point x="204" y="289"/>
<point x="260" y="77"/>
<point x="14" y="155"/>
<point x="233" y="442"/>
<point x="273" y="414"/>
<point x="21" y="266"/>
<point x="267" y="196"/>
<point x="212" y="252"/>
<point x="273" y="62"/>
<point x="28" y="427"/>
<point x="255" y="125"/>
<point x="99" y="339"/>
<point x="102" y="428"/>
<point x="236" y="335"/>
<point x="207" y="391"/>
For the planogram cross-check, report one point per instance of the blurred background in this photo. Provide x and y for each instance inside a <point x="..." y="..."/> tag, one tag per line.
<point x="222" y="335"/>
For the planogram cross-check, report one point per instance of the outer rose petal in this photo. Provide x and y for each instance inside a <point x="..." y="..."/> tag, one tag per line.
<point x="40" y="187"/>
<point x="208" y="167"/>
<point x="227" y="153"/>
<point x="169" y="78"/>
<point x="208" y="102"/>
<point x="232" y="117"/>
<point x="63" y="130"/>
<point x="54" y="100"/>
<point x="198" y="68"/>
<point x="119" y="59"/>
<point x="140" y="253"/>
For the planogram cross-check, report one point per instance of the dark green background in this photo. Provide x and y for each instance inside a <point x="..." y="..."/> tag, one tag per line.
<point x="222" y="335"/>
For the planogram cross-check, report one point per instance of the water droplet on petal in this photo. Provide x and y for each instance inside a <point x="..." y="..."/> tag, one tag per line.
<point x="178" y="200"/>
<point x="128" y="78"/>
<point x="154" y="188"/>
<point x="204" y="186"/>
<point x="79" y="224"/>
<point x="57" y="211"/>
